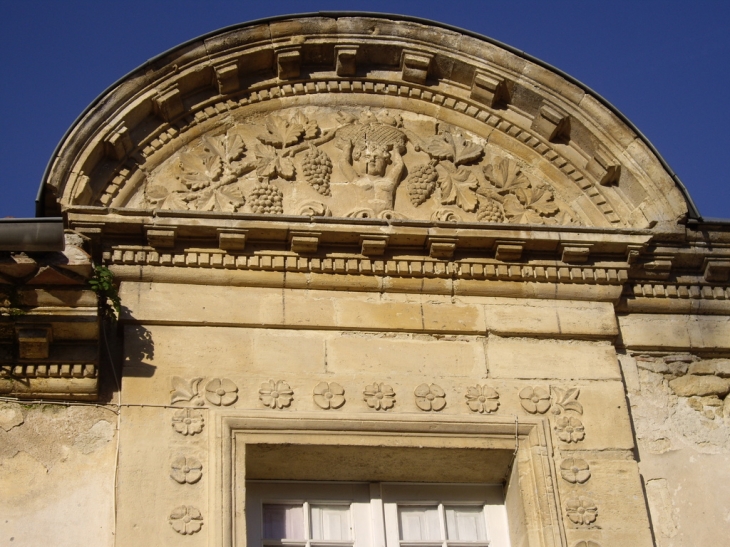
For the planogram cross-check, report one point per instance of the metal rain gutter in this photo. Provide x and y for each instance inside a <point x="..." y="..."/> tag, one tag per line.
<point x="692" y="208"/>
<point x="31" y="234"/>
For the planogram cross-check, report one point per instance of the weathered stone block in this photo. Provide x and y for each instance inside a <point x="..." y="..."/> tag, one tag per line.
<point x="691" y="385"/>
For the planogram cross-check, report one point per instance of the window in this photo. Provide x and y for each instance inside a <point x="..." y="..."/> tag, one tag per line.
<point x="339" y="514"/>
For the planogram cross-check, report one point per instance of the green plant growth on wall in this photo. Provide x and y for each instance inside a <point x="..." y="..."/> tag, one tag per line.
<point x="102" y="283"/>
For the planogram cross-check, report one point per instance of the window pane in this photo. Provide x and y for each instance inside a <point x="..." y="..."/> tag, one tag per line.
<point x="465" y="524"/>
<point x="419" y="523"/>
<point x="283" y="521"/>
<point x="331" y="522"/>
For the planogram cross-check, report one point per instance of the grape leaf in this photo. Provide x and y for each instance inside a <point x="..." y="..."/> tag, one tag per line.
<point x="457" y="186"/>
<point x="270" y="163"/>
<point x="280" y="133"/>
<point x="506" y="176"/>
<point x="516" y="212"/>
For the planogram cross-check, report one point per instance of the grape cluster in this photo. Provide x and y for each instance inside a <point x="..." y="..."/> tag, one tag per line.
<point x="421" y="183"/>
<point x="266" y="199"/>
<point x="490" y="211"/>
<point x="317" y="168"/>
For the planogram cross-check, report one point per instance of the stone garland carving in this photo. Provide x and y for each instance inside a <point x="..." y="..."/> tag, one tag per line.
<point x="188" y="421"/>
<point x="186" y="391"/>
<point x="575" y="470"/>
<point x="581" y="510"/>
<point x="329" y="395"/>
<point x="186" y="470"/>
<point x="430" y="397"/>
<point x="483" y="399"/>
<point x="221" y="392"/>
<point x="379" y="396"/>
<point x="447" y="169"/>
<point x="535" y="400"/>
<point x="186" y="519"/>
<point x="276" y="394"/>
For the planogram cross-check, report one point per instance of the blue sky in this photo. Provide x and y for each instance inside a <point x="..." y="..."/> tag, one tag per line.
<point x="664" y="64"/>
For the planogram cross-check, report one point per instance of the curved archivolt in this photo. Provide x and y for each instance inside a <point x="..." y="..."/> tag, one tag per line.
<point x="361" y="118"/>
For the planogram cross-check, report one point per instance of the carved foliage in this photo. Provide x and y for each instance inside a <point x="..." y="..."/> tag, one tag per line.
<point x="221" y="391"/>
<point x="575" y="470"/>
<point x="535" y="400"/>
<point x="186" y="391"/>
<point x="224" y="173"/>
<point x="581" y="510"/>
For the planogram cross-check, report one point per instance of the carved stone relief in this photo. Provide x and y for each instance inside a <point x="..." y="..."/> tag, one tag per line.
<point x="329" y="395"/>
<point x="482" y="399"/>
<point x="569" y="429"/>
<point x="535" y="400"/>
<point x="186" y="520"/>
<point x="221" y="392"/>
<point x="352" y="162"/>
<point x="581" y="510"/>
<point x="186" y="391"/>
<point x="276" y="394"/>
<point x="430" y="397"/>
<point x="379" y="396"/>
<point x="575" y="470"/>
<point x="187" y="421"/>
<point x="186" y="470"/>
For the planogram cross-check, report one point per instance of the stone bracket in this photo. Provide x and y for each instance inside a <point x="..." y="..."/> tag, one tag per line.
<point x="659" y="268"/>
<point x="34" y="341"/>
<point x="161" y="238"/>
<point x="226" y="76"/>
<point x="304" y="242"/>
<point x="633" y="252"/>
<point x="232" y="240"/>
<point x="508" y="251"/>
<point x="168" y="103"/>
<point x="551" y="122"/>
<point x="118" y="143"/>
<point x="288" y="62"/>
<point x="602" y="169"/>
<point x="717" y="269"/>
<point x="441" y="247"/>
<point x="345" y="64"/>
<point x="489" y="88"/>
<point x="576" y="253"/>
<point x="373" y="245"/>
<point x="414" y="66"/>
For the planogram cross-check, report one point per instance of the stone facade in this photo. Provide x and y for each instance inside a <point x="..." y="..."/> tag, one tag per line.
<point x="363" y="249"/>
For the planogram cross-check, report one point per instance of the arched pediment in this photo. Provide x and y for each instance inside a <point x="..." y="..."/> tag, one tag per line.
<point x="361" y="117"/>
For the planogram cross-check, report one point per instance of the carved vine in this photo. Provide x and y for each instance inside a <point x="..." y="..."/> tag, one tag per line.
<point x="209" y="175"/>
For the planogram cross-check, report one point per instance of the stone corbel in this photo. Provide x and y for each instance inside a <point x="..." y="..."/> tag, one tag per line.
<point x="659" y="268"/>
<point x="508" y="251"/>
<point x="602" y="169"/>
<point x="34" y="341"/>
<point x="118" y="143"/>
<point x="345" y="64"/>
<point x="576" y="253"/>
<point x="633" y="252"/>
<point x="373" y="245"/>
<point x="288" y="62"/>
<point x="717" y="269"/>
<point x="161" y="238"/>
<point x="168" y="103"/>
<point x="304" y="242"/>
<point x="232" y="240"/>
<point x="489" y="88"/>
<point x="226" y="76"/>
<point x="414" y="66"/>
<point x="441" y="247"/>
<point x="551" y="122"/>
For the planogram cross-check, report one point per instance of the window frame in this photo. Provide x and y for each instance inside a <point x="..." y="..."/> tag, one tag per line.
<point x="531" y="499"/>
